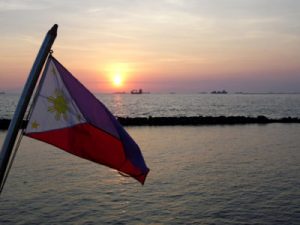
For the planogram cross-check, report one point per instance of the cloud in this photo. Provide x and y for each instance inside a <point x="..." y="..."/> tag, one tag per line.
<point x="16" y="5"/>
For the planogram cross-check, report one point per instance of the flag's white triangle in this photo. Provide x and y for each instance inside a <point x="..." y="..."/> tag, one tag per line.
<point x="54" y="108"/>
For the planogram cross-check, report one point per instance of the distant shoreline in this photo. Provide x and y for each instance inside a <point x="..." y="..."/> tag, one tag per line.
<point x="187" y="121"/>
<point x="187" y="93"/>
<point x="208" y="93"/>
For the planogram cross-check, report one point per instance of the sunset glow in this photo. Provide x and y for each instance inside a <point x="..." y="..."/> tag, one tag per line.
<point x="117" y="80"/>
<point x="250" y="45"/>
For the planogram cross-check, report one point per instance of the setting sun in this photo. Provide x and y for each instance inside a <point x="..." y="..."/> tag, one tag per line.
<point x="117" y="73"/>
<point x="117" y="80"/>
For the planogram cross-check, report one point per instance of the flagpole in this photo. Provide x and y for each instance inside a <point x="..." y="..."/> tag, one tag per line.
<point x="17" y="119"/>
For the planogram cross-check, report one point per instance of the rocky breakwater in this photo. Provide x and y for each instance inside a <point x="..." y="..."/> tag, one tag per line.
<point x="187" y="121"/>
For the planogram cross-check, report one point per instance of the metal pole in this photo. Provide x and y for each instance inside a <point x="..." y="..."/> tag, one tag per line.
<point x="17" y="119"/>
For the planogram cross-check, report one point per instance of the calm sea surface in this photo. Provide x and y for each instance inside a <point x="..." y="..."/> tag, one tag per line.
<point x="241" y="174"/>
<point x="246" y="174"/>
<point x="127" y="105"/>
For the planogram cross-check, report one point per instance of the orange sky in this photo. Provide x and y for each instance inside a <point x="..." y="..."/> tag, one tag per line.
<point x="160" y="46"/>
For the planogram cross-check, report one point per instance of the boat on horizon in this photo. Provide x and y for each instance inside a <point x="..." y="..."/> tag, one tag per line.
<point x="219" y="92"/>
<point x="120" y="92"/>
<point x="139" y="91"/>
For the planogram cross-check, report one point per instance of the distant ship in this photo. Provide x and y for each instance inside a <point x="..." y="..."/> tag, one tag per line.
<point x="219" y="92"/>
<point x="119" y="92"/>
<point x="140" y="91"/>
<point x="2" y="92"/>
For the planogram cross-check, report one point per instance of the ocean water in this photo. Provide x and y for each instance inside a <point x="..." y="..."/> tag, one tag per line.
<point x="127" y="105"/>
<point x="241" y="174"/>
<point x="269" y="105"/>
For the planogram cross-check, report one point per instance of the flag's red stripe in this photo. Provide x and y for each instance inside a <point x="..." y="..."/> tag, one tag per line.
<point x="93" y="144"/>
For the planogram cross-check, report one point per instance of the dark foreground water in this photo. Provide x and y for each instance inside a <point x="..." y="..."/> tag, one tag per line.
<point x="247" y="174"/>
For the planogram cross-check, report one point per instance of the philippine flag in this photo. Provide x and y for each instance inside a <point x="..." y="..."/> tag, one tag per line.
<point x="68" y="116"/>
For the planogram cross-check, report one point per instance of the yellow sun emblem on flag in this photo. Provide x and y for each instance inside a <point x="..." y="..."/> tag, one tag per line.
<point x="59" y="106"/>
<point x="35" y="125"/>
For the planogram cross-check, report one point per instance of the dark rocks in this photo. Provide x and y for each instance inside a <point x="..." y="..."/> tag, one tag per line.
<point x="187" y="121"/>
<point x="4" y="124"/>
<point x="202" y="120"/>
